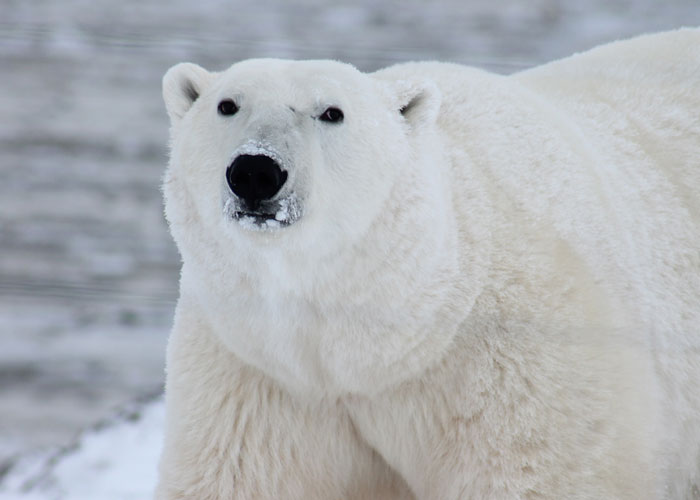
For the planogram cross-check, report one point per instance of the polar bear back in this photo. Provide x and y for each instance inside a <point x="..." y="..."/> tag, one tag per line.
<point x="652" y="84"/>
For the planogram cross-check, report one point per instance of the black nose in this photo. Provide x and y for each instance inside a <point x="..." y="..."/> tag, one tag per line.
<point x="255" y="178"/>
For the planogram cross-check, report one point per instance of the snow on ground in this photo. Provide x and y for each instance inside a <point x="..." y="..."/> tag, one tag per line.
<point x="113" y="461"/>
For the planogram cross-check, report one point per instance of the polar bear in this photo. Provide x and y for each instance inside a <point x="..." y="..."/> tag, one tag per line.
<point x="434" y="282"/>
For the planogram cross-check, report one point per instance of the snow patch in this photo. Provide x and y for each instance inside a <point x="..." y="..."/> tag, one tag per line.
<point x="115" y="461"/>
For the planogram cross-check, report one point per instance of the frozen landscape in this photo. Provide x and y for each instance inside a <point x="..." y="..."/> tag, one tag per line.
<point x="88" y="273"/>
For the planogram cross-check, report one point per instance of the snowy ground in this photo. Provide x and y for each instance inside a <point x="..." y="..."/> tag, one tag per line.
<point x="88" y="274"/>
<point x="112" y="461"/>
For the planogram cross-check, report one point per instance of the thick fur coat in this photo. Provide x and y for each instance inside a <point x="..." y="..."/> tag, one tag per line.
<point x="473" y="286"/>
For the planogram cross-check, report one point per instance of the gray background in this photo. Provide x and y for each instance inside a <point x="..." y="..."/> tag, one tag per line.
<point x="88" y="273"/>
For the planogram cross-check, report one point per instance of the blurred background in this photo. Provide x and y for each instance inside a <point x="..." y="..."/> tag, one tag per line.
<point x="88" y="272"/>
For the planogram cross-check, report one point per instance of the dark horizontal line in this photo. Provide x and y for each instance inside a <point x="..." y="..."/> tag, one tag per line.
<point x="82" y="291"/>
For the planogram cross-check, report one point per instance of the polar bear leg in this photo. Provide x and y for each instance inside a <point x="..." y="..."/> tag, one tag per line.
<point x="233" y="433"/>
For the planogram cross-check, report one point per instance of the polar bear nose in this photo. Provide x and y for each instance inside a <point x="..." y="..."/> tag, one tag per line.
<point x="255" y="178"/>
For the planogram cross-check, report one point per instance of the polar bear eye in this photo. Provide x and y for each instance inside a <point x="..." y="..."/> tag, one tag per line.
<point x="227" y="107"/>
<point x="332" y="115"/>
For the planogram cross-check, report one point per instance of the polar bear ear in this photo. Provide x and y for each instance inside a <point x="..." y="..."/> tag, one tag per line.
<point x="417" y="101"/>
<point x="182" y="86"/>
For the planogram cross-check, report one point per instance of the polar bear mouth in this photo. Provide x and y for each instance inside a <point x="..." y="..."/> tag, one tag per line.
<point x="259" y="219"/>
<point x="274" y="214"/>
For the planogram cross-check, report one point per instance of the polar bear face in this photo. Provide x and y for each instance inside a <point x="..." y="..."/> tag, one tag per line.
<point x="308" y="201"/>
<point x="285" y="149"/>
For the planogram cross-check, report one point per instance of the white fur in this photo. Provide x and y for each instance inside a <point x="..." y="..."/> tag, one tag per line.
<point x="494" y="294"/>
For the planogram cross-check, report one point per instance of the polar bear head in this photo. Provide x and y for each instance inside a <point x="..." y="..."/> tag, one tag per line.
<point x="309" y="194"/>
<point x="311" y="148"/>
